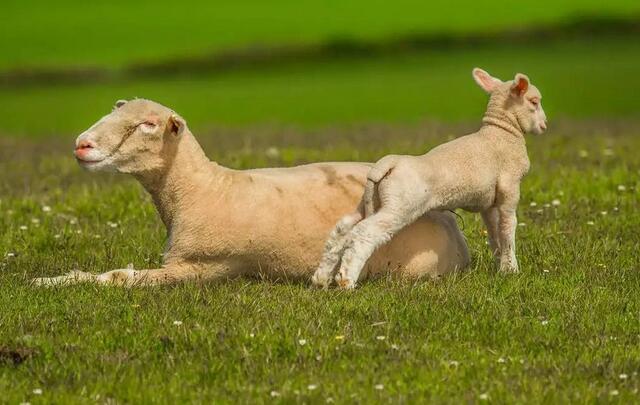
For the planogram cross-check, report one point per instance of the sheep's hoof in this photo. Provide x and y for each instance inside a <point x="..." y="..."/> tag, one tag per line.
<point x="73" y="277"/>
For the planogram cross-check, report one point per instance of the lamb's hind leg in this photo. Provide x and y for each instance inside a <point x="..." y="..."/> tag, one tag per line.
<point x="333" y="249"/>
<point x="365" y="238"/>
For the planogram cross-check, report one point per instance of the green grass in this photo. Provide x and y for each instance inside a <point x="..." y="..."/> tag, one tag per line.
<point x="595" y="78"/>
<point x="566" y="335"/>
<point x="113" y="33"/>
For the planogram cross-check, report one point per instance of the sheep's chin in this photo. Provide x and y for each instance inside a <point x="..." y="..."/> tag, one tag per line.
<point x="104" y="165"/>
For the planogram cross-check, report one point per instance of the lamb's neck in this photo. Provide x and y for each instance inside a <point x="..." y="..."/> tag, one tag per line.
<point x="186" y="171"/>
<point x="499" y="118"/>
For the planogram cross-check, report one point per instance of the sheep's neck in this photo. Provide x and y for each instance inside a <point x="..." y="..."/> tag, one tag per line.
<point x="186" y="171"/>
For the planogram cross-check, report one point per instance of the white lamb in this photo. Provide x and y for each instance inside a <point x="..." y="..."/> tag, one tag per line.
<point x="224" y="223"/>
<point x="480" y="172"/>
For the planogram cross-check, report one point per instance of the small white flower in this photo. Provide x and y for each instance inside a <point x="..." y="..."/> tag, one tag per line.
<point x="37" y="391"/>
<point x="251" y="335"/>
<point x="583" y="153"/>
<point x="177" y="323"/>
<point x="607" y="152"/>
<point x="590" y="223"/>
<point x="274" y="394"/>
<point x="46" y="208"/>
<point x="57" y="236"/>
<point x="613" y="393"/>
<point x="533" y="204"/>
<point x="78" y="231"/>
<point x="454" y="363"/>
<point x="395" y="347"/>
<point x="623" y="376"/>
<point x="621" y="187"/>
<point x="544" y="322"/>
<point x="23" y="227"/>
<point x="603" y="213"/>
<point x="615" y="209"/>
<point x="302" y="342"/>
<point x="381" y="337"/>
<point x="378" y="387"/>
<point x="555" y="202"/>
<point x="339" y="337"/>
<point x="35" y="220"/>
<point x="11" y="254"/>
<point x="312" y="387"/>
<point x="112" y="224"/>
<point x="545" y="271"/>
<point x="501" y="360"/>
<point x="484" y="396"/>
<point x="73" y="221"/>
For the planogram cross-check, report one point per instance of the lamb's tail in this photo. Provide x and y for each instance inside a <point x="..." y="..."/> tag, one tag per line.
<point x="375" y="175"/>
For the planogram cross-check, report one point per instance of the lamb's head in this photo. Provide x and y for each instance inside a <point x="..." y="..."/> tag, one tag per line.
<point x="137" y="136"/>
<point x="518" y="101"/>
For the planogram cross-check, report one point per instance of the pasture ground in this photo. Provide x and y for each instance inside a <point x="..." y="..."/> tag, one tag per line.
<point x="566" y="329"/>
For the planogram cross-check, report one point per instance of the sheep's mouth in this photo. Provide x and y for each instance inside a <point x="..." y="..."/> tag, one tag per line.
<point x="87" y="161"/>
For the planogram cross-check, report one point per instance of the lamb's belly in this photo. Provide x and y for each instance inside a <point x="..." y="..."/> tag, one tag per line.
<point x="477" y="201"/>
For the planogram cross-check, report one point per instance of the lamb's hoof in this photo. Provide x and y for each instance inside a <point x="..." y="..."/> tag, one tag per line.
<point x="345" y="283"/>
<point x="320" y="279"/>
<point x="509" y="269"/>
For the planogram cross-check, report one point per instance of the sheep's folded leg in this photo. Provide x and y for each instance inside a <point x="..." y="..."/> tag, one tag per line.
<point x="130" y="277"/>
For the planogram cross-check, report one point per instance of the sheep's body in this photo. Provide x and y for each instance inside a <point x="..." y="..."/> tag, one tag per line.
<point x="224" y="223"/>
<point x="480" y="172"/>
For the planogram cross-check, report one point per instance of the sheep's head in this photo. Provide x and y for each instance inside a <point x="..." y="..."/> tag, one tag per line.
<point x="137" y="136"/>
<point x="517" y="100"/>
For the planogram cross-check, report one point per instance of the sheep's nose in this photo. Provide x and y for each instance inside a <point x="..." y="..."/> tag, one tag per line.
<point x="543" y="125"/>
<point x="83" y="147"/>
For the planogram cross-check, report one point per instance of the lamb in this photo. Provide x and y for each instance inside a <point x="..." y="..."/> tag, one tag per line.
<point x="223" y="223"/>
<point x="480" y="172"/>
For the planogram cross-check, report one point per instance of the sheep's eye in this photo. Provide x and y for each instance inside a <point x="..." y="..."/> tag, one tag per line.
<point x="534" y="101"/>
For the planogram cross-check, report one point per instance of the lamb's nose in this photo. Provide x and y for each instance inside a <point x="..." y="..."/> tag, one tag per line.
<point x="543" y="125"/>
<point x="82" y="147"/>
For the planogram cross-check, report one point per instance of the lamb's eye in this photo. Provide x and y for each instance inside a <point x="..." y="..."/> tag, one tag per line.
<point x="535" y="102"/>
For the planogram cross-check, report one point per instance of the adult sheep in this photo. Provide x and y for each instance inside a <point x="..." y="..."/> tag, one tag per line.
<point x="224" y="223"/>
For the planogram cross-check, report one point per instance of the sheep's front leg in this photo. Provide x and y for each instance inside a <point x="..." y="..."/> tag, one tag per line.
<point x="130" y="277"/>
<point x="333" y="249"/>
<point x="491" y="217"/>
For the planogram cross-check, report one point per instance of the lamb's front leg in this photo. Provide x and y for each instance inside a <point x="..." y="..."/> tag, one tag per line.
<point x="130" y="277"/>
<point x="491" y="217"/>
<point x="507" y="239"/>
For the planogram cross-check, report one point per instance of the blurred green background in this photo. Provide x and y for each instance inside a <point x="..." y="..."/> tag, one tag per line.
<point x="309" y="64"/>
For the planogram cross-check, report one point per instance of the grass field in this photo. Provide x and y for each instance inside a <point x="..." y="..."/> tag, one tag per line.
<point x="119" y="32"/>
<point x="564" y="330"/>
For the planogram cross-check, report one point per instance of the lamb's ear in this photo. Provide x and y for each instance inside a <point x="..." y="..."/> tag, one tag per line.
<point x="119" y="104"/>
<point x="487" y="82"/>
<point x="176" y="124"/>
<point x="520" y="85"/>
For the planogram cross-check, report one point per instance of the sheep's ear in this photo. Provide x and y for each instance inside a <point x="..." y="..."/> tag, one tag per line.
<point x="487" y="82"/>
<point x="520" y="85"/>
<point x="119" y="104"/>
<point x="176" y="124"/>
